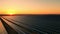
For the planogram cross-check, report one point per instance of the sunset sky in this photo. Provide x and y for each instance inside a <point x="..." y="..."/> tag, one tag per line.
<point x="30" y="6"/>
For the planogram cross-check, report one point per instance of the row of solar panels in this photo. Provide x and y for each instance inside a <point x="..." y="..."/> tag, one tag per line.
<point x="21" y="28"/>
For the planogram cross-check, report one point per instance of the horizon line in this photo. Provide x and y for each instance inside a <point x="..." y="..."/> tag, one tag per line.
<point x="24" y="14"/>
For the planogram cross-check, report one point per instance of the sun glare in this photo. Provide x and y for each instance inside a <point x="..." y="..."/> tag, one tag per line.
<point x="11" y="12"/>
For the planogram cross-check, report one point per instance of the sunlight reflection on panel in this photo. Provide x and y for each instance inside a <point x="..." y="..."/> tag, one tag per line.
<point x="18" y="18"/>
<point x="18" y="29"/>
<point x="14" y="17"/>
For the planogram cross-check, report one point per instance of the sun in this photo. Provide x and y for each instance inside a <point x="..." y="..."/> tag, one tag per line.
<point x="11" y="12"/>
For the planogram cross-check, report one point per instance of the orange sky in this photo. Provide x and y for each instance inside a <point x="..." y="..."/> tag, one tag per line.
<point x="30" y="6"/>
